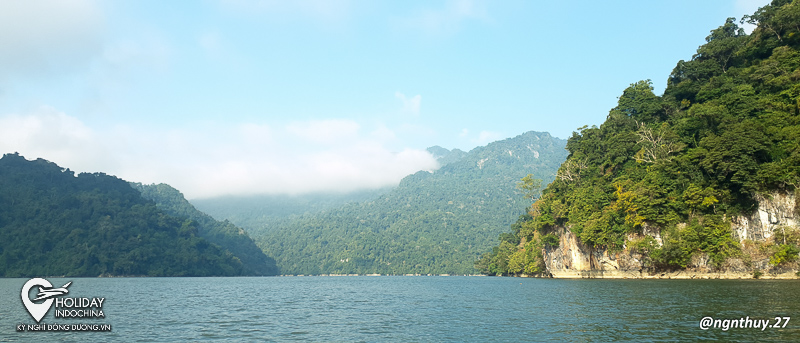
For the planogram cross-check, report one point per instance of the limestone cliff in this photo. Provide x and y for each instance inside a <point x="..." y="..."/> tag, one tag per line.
<point x="779" y="211"/>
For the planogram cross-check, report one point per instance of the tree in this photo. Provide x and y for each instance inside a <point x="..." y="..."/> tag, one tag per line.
<point x="657" y="145"/>
<point x="531" y="186"/>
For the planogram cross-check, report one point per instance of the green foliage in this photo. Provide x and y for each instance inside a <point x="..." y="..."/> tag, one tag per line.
<point x="787" y="247"/>
<point x="53" y="222"/>
<point x="432" y="223"/>
<point x="550" y="240"/>
<point x="786" y="253"/>
<point x="725" y="129"/>
<point x="531" y="186"/>
<point x="514" y="259"/>
<point x="266" y="211"/>
<point x="757" y="273"/>
<point x="224" y="234"/>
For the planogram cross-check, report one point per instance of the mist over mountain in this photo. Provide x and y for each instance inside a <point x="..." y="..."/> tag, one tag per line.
<point x="433" y="222"/>
<point x="260" y="212"/>
<point x="223" y="233"/>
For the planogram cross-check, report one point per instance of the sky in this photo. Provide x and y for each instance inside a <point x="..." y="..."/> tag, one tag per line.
<point x="242" y="97"/>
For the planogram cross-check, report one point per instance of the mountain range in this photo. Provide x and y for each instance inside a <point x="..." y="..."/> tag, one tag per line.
<point x="431" y="223"/>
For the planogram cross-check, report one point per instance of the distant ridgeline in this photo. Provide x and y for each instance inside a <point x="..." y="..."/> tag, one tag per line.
<point x="53" y="223"/>
<point x="224" y="234"/>
<point x="435" y="223"/>
<point x="266" y="211"/>
<point x="671" y="180"/>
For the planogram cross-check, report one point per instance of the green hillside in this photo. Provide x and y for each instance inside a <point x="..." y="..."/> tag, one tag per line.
<point x="265" y="211"/>
<point x="224" y="234"/>
<point x="54" y="223"/>
<point x="726" y="128"/>
<point x="431" y="223"/>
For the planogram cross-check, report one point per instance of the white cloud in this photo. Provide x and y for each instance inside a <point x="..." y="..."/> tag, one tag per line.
<point x="148" y="52"/>
<point x="410" y="105"/>
<point x="256" y="134"/>
<point x="447" y="20"/>
<point x="51" y="134"/>
<point x="324" y="131"/>
<point x="211" y="159"/>
<point x="382" y="134"/>
<point x="48" y="36"/>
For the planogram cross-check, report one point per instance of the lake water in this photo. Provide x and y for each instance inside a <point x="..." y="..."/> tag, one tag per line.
<point x="414" y="309"/>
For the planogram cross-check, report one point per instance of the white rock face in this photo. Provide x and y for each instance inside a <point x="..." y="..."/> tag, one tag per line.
<point x="774" y="211"/>
<point x="573" y="259"/>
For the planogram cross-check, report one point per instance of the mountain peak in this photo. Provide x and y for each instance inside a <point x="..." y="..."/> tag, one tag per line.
<point x="444" y="156"/>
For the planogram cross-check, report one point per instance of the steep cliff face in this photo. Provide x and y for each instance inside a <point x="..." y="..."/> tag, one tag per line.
<point x="778" y="211"/>
<point x="774" y="212"/>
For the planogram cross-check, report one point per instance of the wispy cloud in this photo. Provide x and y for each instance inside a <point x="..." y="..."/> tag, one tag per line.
<point x="486" y="137"/>
<point x="48" y="132"/>
<point x="325" y="10"/>
<point x="213" y="159"/>
<point x="325" y="131"/>
<point x="446" y="20"/>
<point x="410" y="105"/>
<point x="149" y="51"/>
<point x="49" y="36"/>
<point x="482" y="138"/>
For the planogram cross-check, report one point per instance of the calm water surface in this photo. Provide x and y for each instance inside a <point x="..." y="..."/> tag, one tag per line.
<point x="414" y="309"/>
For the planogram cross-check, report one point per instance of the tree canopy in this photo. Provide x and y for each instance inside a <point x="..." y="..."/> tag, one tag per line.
<point x="56" y="223"/>
<point x="432" y="223"/>
<point x="726" y="128"/>
<point x="224" y="234"/>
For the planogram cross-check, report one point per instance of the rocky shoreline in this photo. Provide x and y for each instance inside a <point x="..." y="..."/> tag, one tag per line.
<point x="778" y="211"/>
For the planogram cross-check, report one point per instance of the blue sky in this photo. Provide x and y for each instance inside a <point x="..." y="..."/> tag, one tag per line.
<point x="245" y="96"/>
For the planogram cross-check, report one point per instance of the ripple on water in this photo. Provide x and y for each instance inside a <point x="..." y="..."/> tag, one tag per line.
<point x="401" y="309"/>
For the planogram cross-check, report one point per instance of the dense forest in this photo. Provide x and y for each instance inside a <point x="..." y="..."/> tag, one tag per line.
<point x="224" y="234"/>
<point x="54" y="223"/>
<point x="265" y="211"/>
<point x="726" y="128"/>
<point x="432" y="223"/>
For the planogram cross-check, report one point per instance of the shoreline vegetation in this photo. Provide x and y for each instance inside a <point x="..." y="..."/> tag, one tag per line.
<point x="700" y="181"/>
<point x="352" y="275"/>
<point x="601" y="274"/>
<point x="598" y="274"/>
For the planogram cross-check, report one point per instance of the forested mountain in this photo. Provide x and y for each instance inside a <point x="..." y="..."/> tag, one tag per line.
<point x="224" y="234"/>
<point x="444" y="156"/>
<point x="435" y="222"/>
<point x="726" y="129"/>
<point x="266" y="211"/>
<point x="257" y="212"/>
<point x="53" y="222"/>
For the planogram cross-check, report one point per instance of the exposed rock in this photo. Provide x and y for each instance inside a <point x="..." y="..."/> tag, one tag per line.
<point x="773" y="212"/>
<point x="573" y="259"/>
